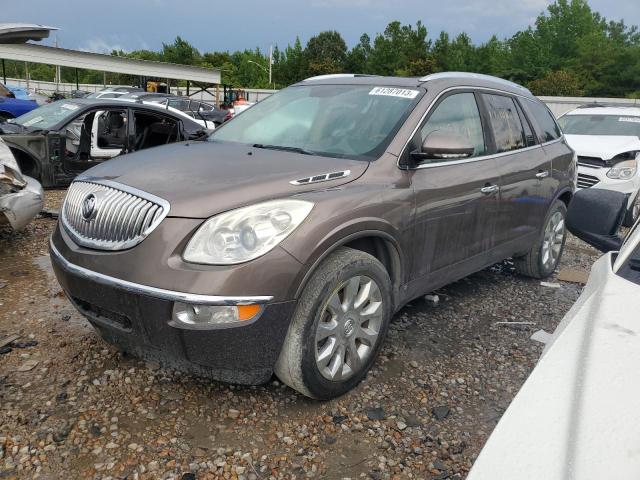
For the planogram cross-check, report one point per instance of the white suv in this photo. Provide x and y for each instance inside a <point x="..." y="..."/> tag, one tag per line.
<point x="607" y="142"/>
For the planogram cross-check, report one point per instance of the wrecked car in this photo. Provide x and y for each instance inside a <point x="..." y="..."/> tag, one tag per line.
<point x="56" y="142"/>
<point x="21" y="197"/>
<point x="287" y="241"/>
<point x="607" y="141"/>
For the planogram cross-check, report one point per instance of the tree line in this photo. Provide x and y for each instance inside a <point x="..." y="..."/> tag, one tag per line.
<point x="570" y="50"/>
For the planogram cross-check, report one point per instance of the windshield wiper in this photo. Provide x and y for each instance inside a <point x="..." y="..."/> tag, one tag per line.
<point x="284" y="148"/>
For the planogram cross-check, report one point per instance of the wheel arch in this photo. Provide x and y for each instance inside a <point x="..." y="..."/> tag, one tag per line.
<point x="565" y="195"/>
<point x="378" y="244"/>
<point x="28" y="163"/>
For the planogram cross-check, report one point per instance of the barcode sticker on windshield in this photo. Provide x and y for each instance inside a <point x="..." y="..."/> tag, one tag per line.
<point x="629" y="119"/>
<point x="394" y="92"/>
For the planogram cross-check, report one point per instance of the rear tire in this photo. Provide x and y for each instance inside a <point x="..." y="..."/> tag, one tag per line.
<point x="544" y="257"/>
<point x="338" y="326"/>
<point x="633" y="212"/>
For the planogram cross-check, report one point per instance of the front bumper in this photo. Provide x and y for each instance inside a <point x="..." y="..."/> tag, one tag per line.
<point x="21" y="207"/>
<point x="135" y="318"/>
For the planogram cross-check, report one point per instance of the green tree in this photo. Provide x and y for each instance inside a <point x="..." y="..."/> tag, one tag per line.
<point x="558" y="83"/>
<point x="180" y="51"/>
<point x="326" y="53"/>
<point x="399" y="49"/>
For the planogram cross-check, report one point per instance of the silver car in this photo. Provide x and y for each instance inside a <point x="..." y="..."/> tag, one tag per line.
<point x="21" y="197"/>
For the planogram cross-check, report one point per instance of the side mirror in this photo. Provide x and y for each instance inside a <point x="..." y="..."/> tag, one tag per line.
<point x="443" y="145"/>
<point x="595" y="215"/>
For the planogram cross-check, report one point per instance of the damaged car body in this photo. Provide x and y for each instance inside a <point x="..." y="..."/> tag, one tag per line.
<point x="287" y="241"/>
<point x="58" y="141"/>
<point x="21" y="197"/>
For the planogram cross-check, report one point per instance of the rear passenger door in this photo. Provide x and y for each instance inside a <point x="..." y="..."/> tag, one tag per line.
<point x="523" y="168"/>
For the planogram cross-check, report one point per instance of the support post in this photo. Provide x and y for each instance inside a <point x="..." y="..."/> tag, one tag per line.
<point x="77" y="81"/>
<point x="270" y="62"/>
<point x="4" y="73"/>
<point x="218" y="95"/>
<point x="188" y="87"/>
<point x="26" y="73"/>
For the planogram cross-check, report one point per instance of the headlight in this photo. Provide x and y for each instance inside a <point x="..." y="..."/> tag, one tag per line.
<point x="246" y="233"/>
<point x="623" y="170"/>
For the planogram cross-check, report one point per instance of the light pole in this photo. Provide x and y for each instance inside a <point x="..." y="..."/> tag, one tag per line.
<point x="270" y="63"/>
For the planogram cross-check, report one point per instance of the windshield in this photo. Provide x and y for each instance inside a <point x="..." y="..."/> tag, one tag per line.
<point x="625" y="125"/>
<point x="47" y="116"/>
<point x="351" y="121"/>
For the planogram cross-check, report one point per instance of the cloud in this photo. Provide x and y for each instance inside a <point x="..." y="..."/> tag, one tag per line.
<point x="100" y="45"/>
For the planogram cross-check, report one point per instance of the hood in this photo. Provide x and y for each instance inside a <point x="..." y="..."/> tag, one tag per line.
<point x="602" y="146"/>
<point x="200" y="179"/>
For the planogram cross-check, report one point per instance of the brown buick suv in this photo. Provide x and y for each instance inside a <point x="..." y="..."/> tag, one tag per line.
<point x="285" y="243"/>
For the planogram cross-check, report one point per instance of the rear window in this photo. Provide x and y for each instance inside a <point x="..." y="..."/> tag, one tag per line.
<point x="548" y="129"/>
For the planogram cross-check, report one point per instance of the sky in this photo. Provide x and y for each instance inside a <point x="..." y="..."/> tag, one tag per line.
<point x="246" y="24"/>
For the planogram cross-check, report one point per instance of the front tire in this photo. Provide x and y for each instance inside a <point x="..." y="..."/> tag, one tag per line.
<point x="544" y="257"/>
<point x="338" y="327"/>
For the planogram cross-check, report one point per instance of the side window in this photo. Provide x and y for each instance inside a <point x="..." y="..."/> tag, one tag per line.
<point x="152" y="130"/>
<point x="529" y="136"/>
<point x="547" y="126"/>
<point x="457" y="114"/>
<point x="507" y="128"/>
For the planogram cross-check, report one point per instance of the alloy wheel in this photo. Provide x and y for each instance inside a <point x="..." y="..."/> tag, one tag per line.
<point x="552" y="241"/>
<point x="349" y="328"/>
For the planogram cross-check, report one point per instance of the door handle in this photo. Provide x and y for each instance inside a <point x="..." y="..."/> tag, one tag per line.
<point x="542" y="174"/>
<point x="487" y="189"/>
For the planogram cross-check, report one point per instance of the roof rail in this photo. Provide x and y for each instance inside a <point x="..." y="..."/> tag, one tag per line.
<point x="336" y="75"/>
<point x="477" y="76"/>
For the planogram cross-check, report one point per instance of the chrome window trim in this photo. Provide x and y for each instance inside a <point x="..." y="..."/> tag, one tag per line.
<point x="160" y="293"/>
<point x="473" y="159"/>
<point x="164" y="204"/>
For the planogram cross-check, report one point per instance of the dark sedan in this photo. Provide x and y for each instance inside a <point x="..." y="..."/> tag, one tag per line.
<point x="56" y="142"/>
<point x="194" y="108"/>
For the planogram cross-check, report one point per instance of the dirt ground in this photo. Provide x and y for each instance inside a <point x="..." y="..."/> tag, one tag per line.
<point x="73" y="407"/>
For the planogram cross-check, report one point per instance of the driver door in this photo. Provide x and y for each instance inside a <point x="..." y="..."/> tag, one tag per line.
<point x="457" y="200"/>
<point x="86" y="142"/>
<point x="109" y="134"/>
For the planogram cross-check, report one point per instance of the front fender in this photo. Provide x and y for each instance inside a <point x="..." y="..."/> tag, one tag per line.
<point x="343" y="215"/>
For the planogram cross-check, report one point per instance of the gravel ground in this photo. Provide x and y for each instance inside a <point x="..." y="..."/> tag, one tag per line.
<point x="72" y="406"/>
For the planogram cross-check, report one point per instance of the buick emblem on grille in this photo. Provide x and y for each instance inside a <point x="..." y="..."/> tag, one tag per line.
<point x="89" y="209"/>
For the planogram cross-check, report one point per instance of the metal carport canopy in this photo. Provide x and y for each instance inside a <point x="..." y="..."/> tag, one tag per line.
<point x="107" y="63"/>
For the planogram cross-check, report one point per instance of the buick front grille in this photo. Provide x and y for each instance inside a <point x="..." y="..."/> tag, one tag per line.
<point x="108" y="216"/>
<point x="586" y="181"/>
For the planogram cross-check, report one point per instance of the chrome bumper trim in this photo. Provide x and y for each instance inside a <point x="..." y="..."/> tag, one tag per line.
<point x="160" y="293"/>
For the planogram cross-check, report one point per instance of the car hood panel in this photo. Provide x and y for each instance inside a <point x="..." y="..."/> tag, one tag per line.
<point x="602" y="146"/>
<point x="201" y="179"/>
